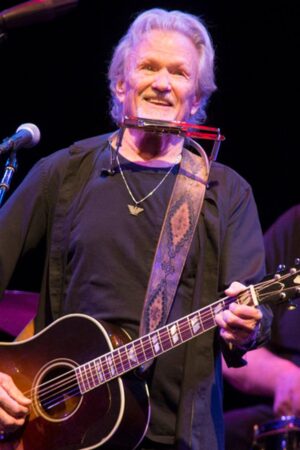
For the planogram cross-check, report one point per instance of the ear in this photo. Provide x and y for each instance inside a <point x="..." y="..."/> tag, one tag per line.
<point x="195" y="104"/>
<point x="120" y="90"/>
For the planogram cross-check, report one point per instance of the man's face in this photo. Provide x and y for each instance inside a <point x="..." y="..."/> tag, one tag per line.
<point x="161" y="77"/>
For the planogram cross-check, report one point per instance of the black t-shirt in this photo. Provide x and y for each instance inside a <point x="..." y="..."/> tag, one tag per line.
<point x="109" y="260"/>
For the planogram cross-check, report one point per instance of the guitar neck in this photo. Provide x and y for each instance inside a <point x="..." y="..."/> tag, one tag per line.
<point x="134" y="354"/>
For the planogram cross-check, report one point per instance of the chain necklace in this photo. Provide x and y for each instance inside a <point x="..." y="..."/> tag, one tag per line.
<point x="135" y="210"/>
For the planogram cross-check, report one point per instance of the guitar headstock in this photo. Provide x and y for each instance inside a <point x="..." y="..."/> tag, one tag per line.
<point x="281" y="287"/>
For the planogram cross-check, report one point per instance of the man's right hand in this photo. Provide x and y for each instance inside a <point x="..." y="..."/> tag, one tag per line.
<point x="14" y="406"/>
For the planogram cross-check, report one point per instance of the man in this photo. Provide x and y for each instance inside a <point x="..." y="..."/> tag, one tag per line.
<point x="272" y="372"/>
<point x="102" y="214"/>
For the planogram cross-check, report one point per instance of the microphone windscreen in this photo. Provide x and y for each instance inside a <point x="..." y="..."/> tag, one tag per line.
<point x="34" y="131"/>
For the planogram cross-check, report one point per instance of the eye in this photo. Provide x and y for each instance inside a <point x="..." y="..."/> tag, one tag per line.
<point x="179" y="72"/>
<point x="148" y="67"/>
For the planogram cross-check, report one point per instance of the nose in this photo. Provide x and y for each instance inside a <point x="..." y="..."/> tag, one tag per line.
<point x="162" y="81"/>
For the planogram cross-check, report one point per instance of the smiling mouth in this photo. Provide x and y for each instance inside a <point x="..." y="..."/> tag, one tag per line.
<point x="158" y="102"/>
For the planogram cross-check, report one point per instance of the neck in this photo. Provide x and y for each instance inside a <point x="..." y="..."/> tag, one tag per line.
<point x="151" y="149"/>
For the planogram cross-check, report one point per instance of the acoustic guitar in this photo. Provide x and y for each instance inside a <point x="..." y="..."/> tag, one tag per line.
<point x="82" y="376"/>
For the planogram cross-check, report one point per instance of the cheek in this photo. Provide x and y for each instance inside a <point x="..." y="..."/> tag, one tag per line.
<point x="187" y="95"/>
<point x="138" y="84"/>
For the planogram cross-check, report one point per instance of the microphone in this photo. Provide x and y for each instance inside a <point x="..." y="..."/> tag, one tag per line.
<point x="34" y="11"/>
<point x="27" y="135"/>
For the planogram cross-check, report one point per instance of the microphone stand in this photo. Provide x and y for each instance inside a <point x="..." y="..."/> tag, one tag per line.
<point x="11" y="166"/>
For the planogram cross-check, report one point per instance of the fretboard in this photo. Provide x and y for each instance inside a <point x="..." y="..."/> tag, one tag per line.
<point x="134" y="354"/>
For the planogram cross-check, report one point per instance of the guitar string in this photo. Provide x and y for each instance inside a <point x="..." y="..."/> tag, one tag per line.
<point x="212" y="323"/>
<point x="53" y="388"/>
<point x="63" y="379"/>
<point x="71" y="387"/>
<point x="93" y="373"/>
<point x="108" y="372"/>
<point x="137" y="348"/>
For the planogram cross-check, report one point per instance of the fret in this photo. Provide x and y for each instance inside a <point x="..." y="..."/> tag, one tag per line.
<point x="209" y="318"/>
<point x="124" y="358"/>
<point x="159" y="340"/>
<point x="80" y="379"/>
<point x="155" y="343"/>
<point x="201" y="320"/>
<point x="214" y="310"/>
<point x="204" y="317"/>
<point x="94" y="373"/>
<point x="131" y="355"/>
<point x="139" y="351"/>
<point x="84" y="378"/>
<point x="147" y="348"/>
<point x="96" y="377"/>
<point x="105" y="368"/>
<point x="90" y="375"/>
<point x="174" y="334"/>
<point x="118" y="361"/>
<point x="184" y="329"/>
<point x="99" y="370"/>
<point x="196" y="324"/>
<point x="217" y="307"/>
<point x="165" y="339"/>
<point x="151" y="346"/>
<point x="111" y="366"/>
<point x="143" y="354"/>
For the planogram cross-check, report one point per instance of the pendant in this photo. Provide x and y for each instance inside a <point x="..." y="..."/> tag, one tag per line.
<point x="135" y="210"/>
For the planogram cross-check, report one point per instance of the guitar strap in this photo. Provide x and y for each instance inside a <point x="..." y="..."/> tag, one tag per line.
<point x="175" y="239"/>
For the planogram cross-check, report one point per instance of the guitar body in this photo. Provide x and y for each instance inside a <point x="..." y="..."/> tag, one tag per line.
<point x="111" y="416"/>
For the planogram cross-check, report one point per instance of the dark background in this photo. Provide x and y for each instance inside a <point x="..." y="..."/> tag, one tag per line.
<point x="54" y="75"/>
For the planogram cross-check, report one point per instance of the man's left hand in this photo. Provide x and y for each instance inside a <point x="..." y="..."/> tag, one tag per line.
<point x="239" y="324"/>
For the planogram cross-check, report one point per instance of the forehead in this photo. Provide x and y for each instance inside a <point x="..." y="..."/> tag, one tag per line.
<point x="165" y="45"/>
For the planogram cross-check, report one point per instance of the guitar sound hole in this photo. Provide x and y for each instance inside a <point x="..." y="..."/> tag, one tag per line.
<point x="58" y="393"/>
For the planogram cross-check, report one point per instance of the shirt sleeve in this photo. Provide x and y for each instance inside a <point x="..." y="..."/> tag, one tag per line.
<point x="23" y="219"/>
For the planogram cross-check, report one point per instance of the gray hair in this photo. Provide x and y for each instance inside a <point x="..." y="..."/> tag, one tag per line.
<point x="160" y="19"/>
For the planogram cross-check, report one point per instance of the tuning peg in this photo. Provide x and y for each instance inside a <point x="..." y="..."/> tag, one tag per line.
<point x="281" y="268"/>
<point x="297" y="261"/>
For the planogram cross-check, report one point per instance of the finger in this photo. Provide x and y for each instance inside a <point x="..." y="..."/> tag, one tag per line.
<point x="7" y="385"/>
<point x="220" y="320"/>
<point x="235" y="288"/>
<point x="11" y="398"/>
<point x="12" y="407"/>
<point x="228" y="324"/>
<point x="233" y="322"/>
<point x="9" y="424"/>
<point x="245" y="312"/>
<point x="238" y="337"/>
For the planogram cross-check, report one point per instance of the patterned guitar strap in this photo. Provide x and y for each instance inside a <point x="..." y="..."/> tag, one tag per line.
<point x="175" y="239"/>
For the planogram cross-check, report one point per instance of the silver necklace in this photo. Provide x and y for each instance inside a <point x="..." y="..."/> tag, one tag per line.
<point x="135" y="210"/>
